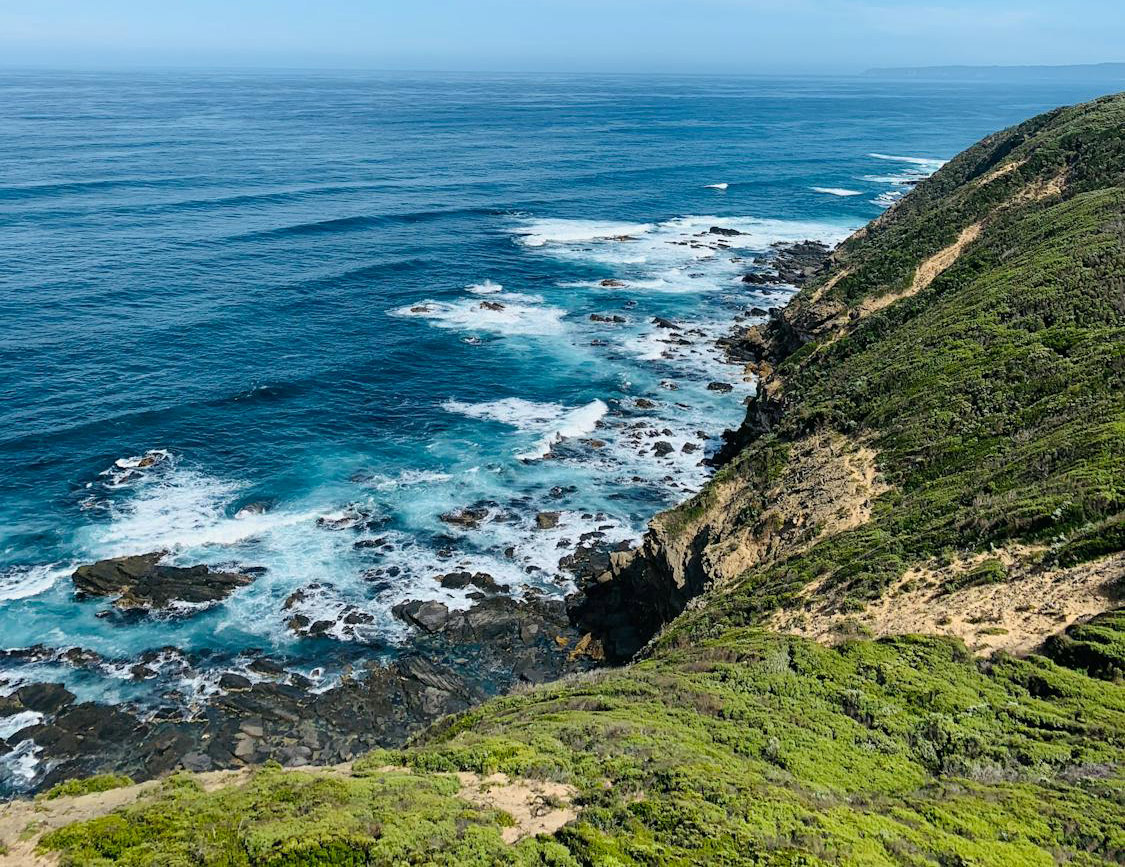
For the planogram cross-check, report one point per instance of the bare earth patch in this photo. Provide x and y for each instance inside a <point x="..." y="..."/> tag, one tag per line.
<point x="827" y="487"/>
<point x="1017" y="615"/>
<point x="1036" y="192"/>
<point x="538" y="807"/>
<point x="999" y="172"/>
<point x="927" y="272"/>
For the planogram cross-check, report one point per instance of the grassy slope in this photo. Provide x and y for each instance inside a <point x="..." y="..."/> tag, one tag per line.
<point x="995" y="401"/>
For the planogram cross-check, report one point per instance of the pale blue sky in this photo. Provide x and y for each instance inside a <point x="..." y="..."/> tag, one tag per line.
<point x="569" y="35"/>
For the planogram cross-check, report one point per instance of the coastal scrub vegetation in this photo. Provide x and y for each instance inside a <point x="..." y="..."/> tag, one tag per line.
<point x="993" y="398"/>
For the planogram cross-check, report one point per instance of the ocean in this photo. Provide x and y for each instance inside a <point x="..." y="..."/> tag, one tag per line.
<point x="255" y="319"/>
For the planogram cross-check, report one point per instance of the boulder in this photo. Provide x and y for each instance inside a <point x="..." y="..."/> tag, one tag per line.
<point x="547" y="520"/>
<point x="470" y="518"/>
<point x="428" y="616"/>
<point x="481" y="580"/>
<point x="141" y="582"/>
<point x="47" y="698"/>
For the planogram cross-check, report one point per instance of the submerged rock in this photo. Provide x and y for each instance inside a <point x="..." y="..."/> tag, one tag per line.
<point x="141" y="582"/>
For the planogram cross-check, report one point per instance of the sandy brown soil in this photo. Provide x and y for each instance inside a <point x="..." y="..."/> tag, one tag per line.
<point x="538" y="807"/>
<point x="927" y="272"/>
<point x="827" y="487"/>
<point x="1016" y="616"/>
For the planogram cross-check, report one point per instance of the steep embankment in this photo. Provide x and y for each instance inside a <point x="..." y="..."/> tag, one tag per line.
<point x="937" y="444"/>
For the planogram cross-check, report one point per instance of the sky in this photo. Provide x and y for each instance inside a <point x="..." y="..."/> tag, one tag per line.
<point x="681" y="36"/>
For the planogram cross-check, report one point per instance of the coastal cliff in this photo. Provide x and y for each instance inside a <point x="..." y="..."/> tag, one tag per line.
<point x="886" y="632"/>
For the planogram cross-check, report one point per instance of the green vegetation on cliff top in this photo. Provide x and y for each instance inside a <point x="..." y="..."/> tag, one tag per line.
<point x="994" y="400"/>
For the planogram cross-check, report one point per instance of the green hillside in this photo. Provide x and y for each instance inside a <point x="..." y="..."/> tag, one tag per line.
<point x="972" y="342"/>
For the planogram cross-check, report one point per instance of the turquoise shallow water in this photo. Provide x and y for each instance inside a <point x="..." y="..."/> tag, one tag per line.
<point x="332" y="307"/>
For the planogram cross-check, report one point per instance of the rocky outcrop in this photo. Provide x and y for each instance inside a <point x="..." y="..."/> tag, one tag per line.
<point x="141" y="582"/>
<point x="790" y="264"/>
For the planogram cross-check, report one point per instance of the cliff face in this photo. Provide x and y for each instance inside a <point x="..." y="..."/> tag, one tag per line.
<point x="937" y="445"/>
<point x="951" y="385"/>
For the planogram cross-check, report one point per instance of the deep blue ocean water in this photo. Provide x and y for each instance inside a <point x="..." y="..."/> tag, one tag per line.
<point x="272" y="284"/>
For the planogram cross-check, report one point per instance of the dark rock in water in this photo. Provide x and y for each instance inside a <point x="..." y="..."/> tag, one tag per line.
<point x="460" y="658"/>
<point x="591" y="562"/>
<point x="688" y="448"/>
<point x="353" y="517"/>
<point x="356" y="617"/>
<point x="794" y="264"/>
<point x="141" y="582"/>
<point x="612" y="284"/>
<point x="262" y="665"/>
<point x="428" y="616"/>
<point x="644" y="403"/>
<point x="614" y="318"/>
<point x="547" y="520"/>
<point x="662" y="448"/>
<point x="560" y="491"/>
<point x="719" y="230"/>
<point x="47" y="698"/>
<point x="469" y="518"/>
<point x="720" y="386"/>
<point x="480" y="580"/>
<point x="758" y="311"/>
<point x="491" y="305"/>
<point x="233" y="682"/>
<point x="661" y="322"/>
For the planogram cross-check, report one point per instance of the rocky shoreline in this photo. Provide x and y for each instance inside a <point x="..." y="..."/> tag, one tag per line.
<point x="260" y="710"/>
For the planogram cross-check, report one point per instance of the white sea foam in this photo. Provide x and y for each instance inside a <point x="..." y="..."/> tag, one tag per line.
<point x="515" y="314"/>
<point x="836" y="191"/>
<point x="679" y="255"/>
<point x="538" y="233"/>
<point x="9" y="725"/>
<point x="928" y="163"/>
<point x="553" y="421"/>
<point x="722" y="186"/>
<point x="407" y="478"/>
<point x="22" y="582"/>
<point x="485" y="288"/>
<point x="20" y="766"/>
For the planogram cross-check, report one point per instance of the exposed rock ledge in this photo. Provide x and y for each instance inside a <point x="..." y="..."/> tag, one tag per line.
<point x="142" y="582"/>
<point x="826" y="486"/>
